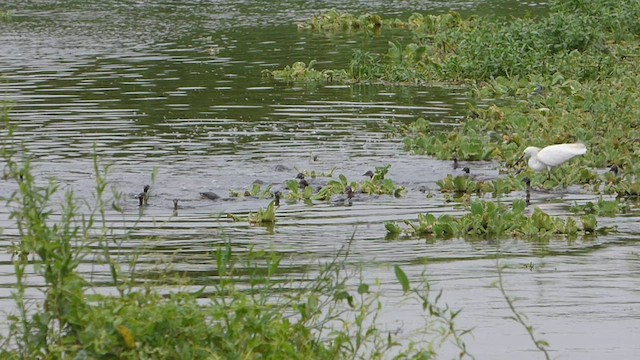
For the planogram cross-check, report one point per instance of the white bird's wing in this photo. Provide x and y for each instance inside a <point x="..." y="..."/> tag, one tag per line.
<point x="554" y="155"/>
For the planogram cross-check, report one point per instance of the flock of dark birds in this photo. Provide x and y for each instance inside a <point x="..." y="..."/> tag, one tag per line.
<point x="143" y="197"/>
<point x="539" y="160"/>
<point x="349" y="193"/>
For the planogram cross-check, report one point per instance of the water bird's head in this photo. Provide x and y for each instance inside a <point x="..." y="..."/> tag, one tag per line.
<point x="369" y="173"/>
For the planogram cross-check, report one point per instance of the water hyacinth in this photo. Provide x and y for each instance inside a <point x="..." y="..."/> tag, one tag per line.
<point x="491" y="220"/>
<point x="565" y="77"/>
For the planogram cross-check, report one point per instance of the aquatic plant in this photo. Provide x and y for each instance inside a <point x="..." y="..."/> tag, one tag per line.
<point x="460" y="184"/>
<point x="296" y="193"/>
<point x="301" y="71"/>
<point x="262" y="217"/>
<point x="316" y="174"/>
<point x="490" y="220"/>
<point x="565" y="77"/>
<point x="334" y="187"/>
<point x="602" y="208"/>
<point x="378" y="184"/>
<point x="564" y="177"/>
<point x="626" y="188"/>
<point x="255" y="191"/>
<point x="465" y="184"/>
<point x="469" y="143"/>
<point x="333" y="20"/>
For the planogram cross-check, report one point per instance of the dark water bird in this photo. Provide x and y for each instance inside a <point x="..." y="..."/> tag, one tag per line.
<point x="303" y="183"/>
<point x="276" y="196"/>
<point x="175" y="204"/>
<point x="348" y="191"/>
<point x="466" y="172"/>
<point x="551" y="156"/>
<point x="369" y="173"/>
<point x="209" y="195"/>
<point x="143" y="197"/>
<point x="539" y="90"/>
<point x="611" y="176"/>
<point x="527" y="182"/>
<point x="478" y="177"/>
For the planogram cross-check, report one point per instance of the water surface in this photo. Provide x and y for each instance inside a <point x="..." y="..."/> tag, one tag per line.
<point x="175" y="89"/>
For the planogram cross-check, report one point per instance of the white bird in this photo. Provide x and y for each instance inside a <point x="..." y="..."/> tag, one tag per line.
<point x="552" y="155"/>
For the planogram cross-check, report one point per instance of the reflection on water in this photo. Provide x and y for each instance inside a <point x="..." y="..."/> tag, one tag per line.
<point x="176" y="89"/>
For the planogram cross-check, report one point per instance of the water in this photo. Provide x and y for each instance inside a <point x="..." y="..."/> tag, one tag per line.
<point x="175" y="89"/>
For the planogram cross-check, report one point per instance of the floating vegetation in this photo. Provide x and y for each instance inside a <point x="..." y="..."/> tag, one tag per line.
<point x="570" y="76"/>
<point x="565" y="176"/>
<point x="334" y="20"/>
<point x="266" y="216"/>
<point x="255" y="191"/>
<point x="627" y="189"/>
<point x="334" y="187"/>
<point x="316" y="174"/>
<point x="261" y="217"/>
<point x="378" y="184"/>
<point x="466" y="184"/>
<point x="300" y="71"/>
<point x="602" y="208"/>
<point x="469" y="143"/>
<point x="489" y="219"/>
<point x="463" y="184"/>
<point x="296" y="192"/>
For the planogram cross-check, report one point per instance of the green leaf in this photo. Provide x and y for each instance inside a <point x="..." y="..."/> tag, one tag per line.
<point x="402" y="278"/>
<point x="363" y="289"/>
<point x="519" y="205"/>
<point x="477" y="208"/>
<point x="344" y="295"/>
<point x="343" y="180"/>
<point x="392" y="228"/>
<point x="292" y="185"/>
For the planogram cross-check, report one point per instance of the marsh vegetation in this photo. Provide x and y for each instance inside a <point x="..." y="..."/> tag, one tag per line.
<point x="571" y="75"/>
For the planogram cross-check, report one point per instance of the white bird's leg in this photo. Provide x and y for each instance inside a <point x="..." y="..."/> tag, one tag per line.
<point x="527" y="182"/>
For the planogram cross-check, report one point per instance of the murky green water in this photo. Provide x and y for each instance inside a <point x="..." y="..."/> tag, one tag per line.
<point x="177" y="87"/>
